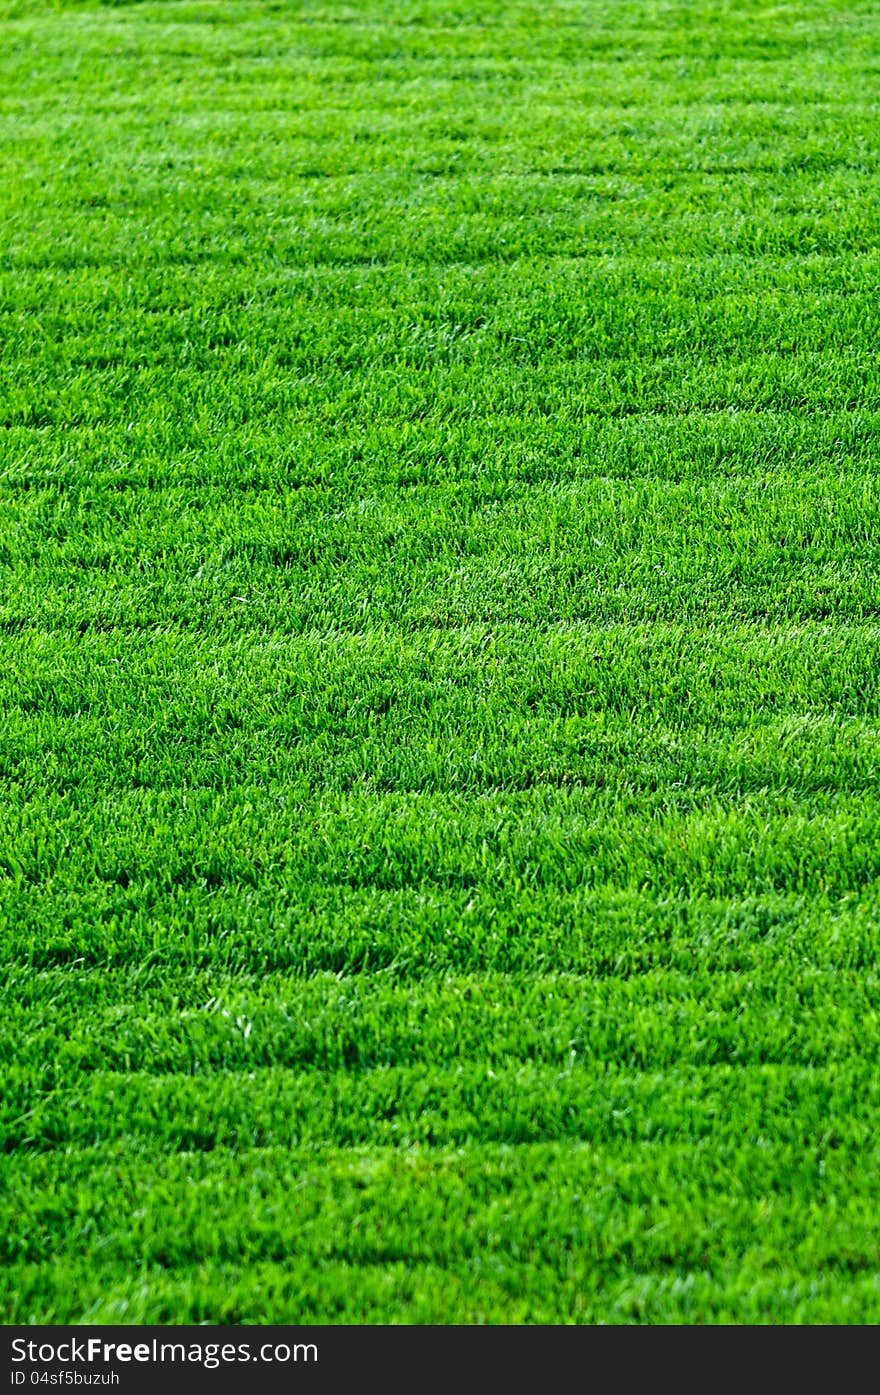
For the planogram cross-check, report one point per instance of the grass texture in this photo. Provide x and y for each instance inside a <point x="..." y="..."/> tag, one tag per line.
<point x="440" y="661"/>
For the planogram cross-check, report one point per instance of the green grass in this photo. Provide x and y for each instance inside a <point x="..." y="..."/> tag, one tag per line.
<point x="440" y="661"/>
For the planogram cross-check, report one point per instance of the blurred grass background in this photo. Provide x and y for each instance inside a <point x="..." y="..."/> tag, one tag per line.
<point x="439" y="580"/>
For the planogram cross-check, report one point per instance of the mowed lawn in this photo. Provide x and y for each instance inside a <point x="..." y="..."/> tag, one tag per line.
<point x="440" y="661"/>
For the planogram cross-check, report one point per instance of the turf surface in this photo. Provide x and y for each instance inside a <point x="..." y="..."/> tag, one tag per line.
<point x="440" y="661"/>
